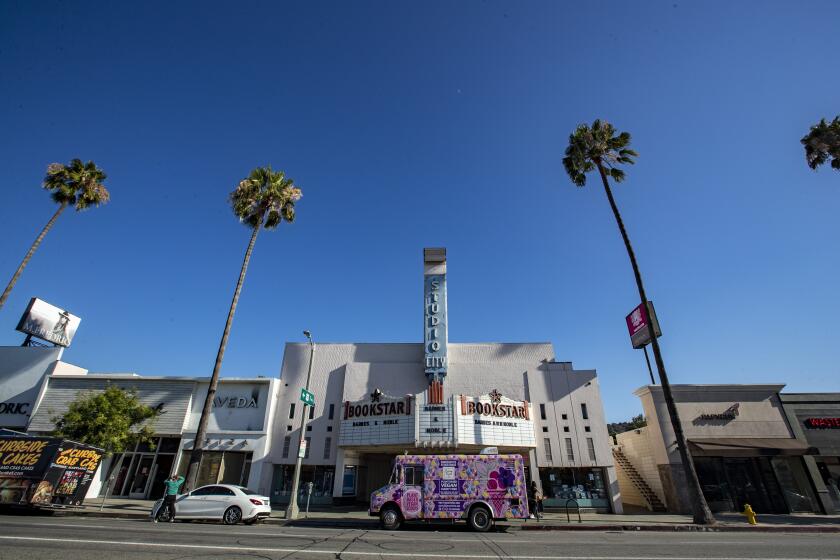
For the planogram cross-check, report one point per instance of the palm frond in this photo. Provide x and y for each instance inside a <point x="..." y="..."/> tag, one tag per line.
<point x="265" y="198"/>
<point x="822" y="144"/>
<point x="76" y="183"/>
<point x="590" y="146"/>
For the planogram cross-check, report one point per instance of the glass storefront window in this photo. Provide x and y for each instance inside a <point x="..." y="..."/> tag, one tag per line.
<point x="220" y="467"/>
<point x="321" y="478"/>
<point x="584" y="485"/>
<point x="208" y="469"/>
<point x="232" y="467"/>
<point x="714" y="484"/>
<point x="796" y="488"/>
<point x="829" y="468"/>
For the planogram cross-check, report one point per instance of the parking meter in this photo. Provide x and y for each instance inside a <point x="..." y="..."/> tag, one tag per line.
<point x="309" y="487"/>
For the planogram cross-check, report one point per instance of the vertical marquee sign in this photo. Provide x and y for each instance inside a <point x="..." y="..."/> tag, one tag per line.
<point x="435" y="321"/>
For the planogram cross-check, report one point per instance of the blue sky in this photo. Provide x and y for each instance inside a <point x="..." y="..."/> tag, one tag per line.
<point x="429" y="124"/>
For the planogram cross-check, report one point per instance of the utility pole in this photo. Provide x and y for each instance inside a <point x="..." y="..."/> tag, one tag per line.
<point x="292" y="511"/>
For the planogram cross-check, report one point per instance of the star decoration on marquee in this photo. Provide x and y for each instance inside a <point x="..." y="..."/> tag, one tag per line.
<point x="376" y="395"/>
<point x="495" y="396"/>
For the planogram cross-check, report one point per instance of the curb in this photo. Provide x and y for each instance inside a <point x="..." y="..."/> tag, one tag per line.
<point x="689" y="527"/>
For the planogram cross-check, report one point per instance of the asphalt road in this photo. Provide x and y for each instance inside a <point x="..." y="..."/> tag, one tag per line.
<point x="73" y="538"/>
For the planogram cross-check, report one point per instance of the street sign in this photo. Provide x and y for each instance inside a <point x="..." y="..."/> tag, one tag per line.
<point x="302" y="450"/>
<point x="307" y="397"/>
<point x="637" y="325"/>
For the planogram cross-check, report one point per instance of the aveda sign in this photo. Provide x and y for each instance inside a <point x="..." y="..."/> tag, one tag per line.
<point x="235" y="402"/>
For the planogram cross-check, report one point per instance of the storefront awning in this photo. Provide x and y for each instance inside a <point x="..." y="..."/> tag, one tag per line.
<point x="749" y="447"/>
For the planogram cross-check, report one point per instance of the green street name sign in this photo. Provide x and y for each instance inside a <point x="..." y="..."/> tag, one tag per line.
<point x="307" y="397"/>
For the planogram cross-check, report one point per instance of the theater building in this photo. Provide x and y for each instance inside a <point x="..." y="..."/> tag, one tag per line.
<point x="374" y="401"/>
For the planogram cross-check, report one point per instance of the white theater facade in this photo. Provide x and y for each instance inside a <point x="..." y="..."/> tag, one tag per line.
<point x="375" y="401"/>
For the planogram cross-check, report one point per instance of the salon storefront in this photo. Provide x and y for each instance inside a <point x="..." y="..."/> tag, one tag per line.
<point x="742" y="445"/>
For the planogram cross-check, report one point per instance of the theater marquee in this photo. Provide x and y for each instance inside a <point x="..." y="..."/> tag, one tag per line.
<point x="377" y="420"/>
<point x="494" y="419"/>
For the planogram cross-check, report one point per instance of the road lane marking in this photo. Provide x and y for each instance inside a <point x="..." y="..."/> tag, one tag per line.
<point x="195" y="530"/>
<point x="373" y="553"/>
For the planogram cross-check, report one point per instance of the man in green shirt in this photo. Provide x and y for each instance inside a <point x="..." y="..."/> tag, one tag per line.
<point x="172" y="485"/>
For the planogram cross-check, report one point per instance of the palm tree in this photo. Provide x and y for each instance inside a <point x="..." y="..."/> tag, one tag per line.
<point x="76" y="183"/>
<point x="598" y="147"/>
<point x="822" y="143"/>
<point x="264" y="200"/>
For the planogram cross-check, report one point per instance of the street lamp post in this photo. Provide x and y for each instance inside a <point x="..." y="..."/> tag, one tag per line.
<point x="292" y="511"/>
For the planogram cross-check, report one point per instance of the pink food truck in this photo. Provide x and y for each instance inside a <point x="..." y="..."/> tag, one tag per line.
<point x="478" y="488"/>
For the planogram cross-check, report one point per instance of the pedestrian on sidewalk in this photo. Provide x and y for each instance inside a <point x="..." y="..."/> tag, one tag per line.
<point x="172" y="485"/>
<point x="535" y="499"/>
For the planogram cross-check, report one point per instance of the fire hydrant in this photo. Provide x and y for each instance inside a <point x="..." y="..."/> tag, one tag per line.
<point x="750" y="514"/>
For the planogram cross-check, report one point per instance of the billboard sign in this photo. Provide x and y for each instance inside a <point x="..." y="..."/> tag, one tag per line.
<point x="44" y="471"/>
<point x="48" y="322"/>
<point x="637" y="325"/>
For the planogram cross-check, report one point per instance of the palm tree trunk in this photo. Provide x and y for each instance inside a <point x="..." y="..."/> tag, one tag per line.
<point x="31" y="252"/>
<point x="201" y="433"/>
<point x="702" y="513"/>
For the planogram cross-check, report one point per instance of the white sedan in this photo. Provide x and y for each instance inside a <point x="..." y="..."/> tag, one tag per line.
<point x="225" y="502"/>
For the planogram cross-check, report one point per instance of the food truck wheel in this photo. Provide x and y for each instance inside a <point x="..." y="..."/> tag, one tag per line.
<point x="390" y="518"/>
<point x="480" y="519"/>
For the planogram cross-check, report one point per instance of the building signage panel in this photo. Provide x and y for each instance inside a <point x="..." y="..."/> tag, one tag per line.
<point x="48" y="322"/>
<point x="15" y="408"/>
<point x="822" y="423"/>
<point x="495" y="420"/>
<point x="435" y="330"/>
<point x="637" y="325"/>
<point x="436" y="422"/>
<point x="236" y="402"/>
<point x="377" y="420"/>
<point x="730" y="413"/>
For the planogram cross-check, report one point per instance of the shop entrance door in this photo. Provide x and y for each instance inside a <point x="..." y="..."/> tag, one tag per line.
<point x="140" y="477"/>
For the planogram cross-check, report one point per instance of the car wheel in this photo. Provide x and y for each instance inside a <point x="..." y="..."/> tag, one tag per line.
<point x="480" y="519"/>
<point x="232" y="516"/>
<point x="390" y="519"/>
<point x="163" y="514"/>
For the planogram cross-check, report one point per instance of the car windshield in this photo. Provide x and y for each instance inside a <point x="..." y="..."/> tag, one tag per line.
<point x="246" y="491"/>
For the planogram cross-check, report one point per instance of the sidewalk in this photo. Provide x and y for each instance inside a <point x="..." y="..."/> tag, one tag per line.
<point x="354" y="517"/>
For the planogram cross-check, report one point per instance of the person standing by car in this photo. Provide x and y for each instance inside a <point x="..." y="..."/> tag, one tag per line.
<point x="172" y="484"/>
<point x="535" y="499"/>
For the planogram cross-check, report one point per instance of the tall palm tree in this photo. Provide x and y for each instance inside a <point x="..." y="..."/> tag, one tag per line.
<point x="598" y="147"/>
<point x="822" y="143"/>
<point x="263" y="200"/>
<point x="78" y="184"/>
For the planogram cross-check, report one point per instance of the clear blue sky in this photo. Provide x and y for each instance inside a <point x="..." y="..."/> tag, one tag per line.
<point x="429" y="124"/>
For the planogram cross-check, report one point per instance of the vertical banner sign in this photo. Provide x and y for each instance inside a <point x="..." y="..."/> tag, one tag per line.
<point x="435" y="325"/>
<point x="637" y="325"/>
